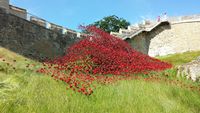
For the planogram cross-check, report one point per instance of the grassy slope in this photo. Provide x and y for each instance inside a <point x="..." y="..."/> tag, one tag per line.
<point x="24" y="91"/>
<point x="181" y="58"/>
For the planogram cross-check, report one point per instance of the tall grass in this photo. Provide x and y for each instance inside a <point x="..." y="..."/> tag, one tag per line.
<point x="41" y="94"/>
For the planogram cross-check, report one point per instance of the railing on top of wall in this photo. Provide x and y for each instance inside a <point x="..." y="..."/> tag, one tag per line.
<point x="49" y="25"/>
<point x="177" y="19"/>
<point x="184" y="18"/>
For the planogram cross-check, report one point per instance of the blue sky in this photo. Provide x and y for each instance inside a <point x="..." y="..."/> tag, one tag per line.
<point x="72" y="13"/>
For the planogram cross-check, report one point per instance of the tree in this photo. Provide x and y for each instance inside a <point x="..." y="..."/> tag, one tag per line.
<point x="111" y="23"/>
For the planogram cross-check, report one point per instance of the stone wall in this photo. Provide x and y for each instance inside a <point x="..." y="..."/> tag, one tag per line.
<point x="180" y="37"/>
<point x="18" y="11"/>
<point x="32" y="40"/>
<point x="139" y="42"/>
<point x="168" y="39"/>
<point x="4" y="4"/>
<point x="142" y="41"/>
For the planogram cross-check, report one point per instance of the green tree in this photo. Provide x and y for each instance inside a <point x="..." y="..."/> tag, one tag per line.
<point x="111" y="23"/>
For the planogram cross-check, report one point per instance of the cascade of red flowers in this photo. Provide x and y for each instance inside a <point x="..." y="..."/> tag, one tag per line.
<point x="96" y="55"/>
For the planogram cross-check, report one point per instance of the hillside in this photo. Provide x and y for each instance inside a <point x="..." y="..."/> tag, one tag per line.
<point x="22" y="90"/>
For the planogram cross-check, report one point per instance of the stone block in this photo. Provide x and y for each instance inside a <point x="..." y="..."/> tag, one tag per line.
<point x="38" y="21"/>
<point x="56" y="28"/>
<point x="18" y="11"/>
<point x="190" y="70"/>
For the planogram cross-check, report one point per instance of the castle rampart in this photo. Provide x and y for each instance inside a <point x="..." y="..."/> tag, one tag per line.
<point x="176" y="38"/>
<point x="34" y="37"/>
<point x="169" y="36"/>
<point x="33" y="40"/>
<point x="22" y="13"/>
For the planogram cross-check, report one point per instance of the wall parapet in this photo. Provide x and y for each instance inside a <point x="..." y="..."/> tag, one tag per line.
<point x="185" y="21"/>
<point x="18" y="11"/>
<point x="184" y="18"/>
<point x="51" y="26"/>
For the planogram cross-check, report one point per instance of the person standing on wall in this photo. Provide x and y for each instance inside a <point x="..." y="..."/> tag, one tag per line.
<point x="158" y="19"/>
<point x="164" y="17"/>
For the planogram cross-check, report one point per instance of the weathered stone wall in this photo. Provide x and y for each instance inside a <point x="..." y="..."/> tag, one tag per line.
<point x="180" y="37"/>
<point x="4" y="4"/>
<point x="139" y="42"/>
<point x="18" y="11"/>
<point x="168" y="39"/>
<point x="142" y="41"/>
<point x="30" y="39"/>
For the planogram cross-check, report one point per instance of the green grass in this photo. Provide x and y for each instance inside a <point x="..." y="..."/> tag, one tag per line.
<point x="178" y="59"/>
<point x="25" y="91"/>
